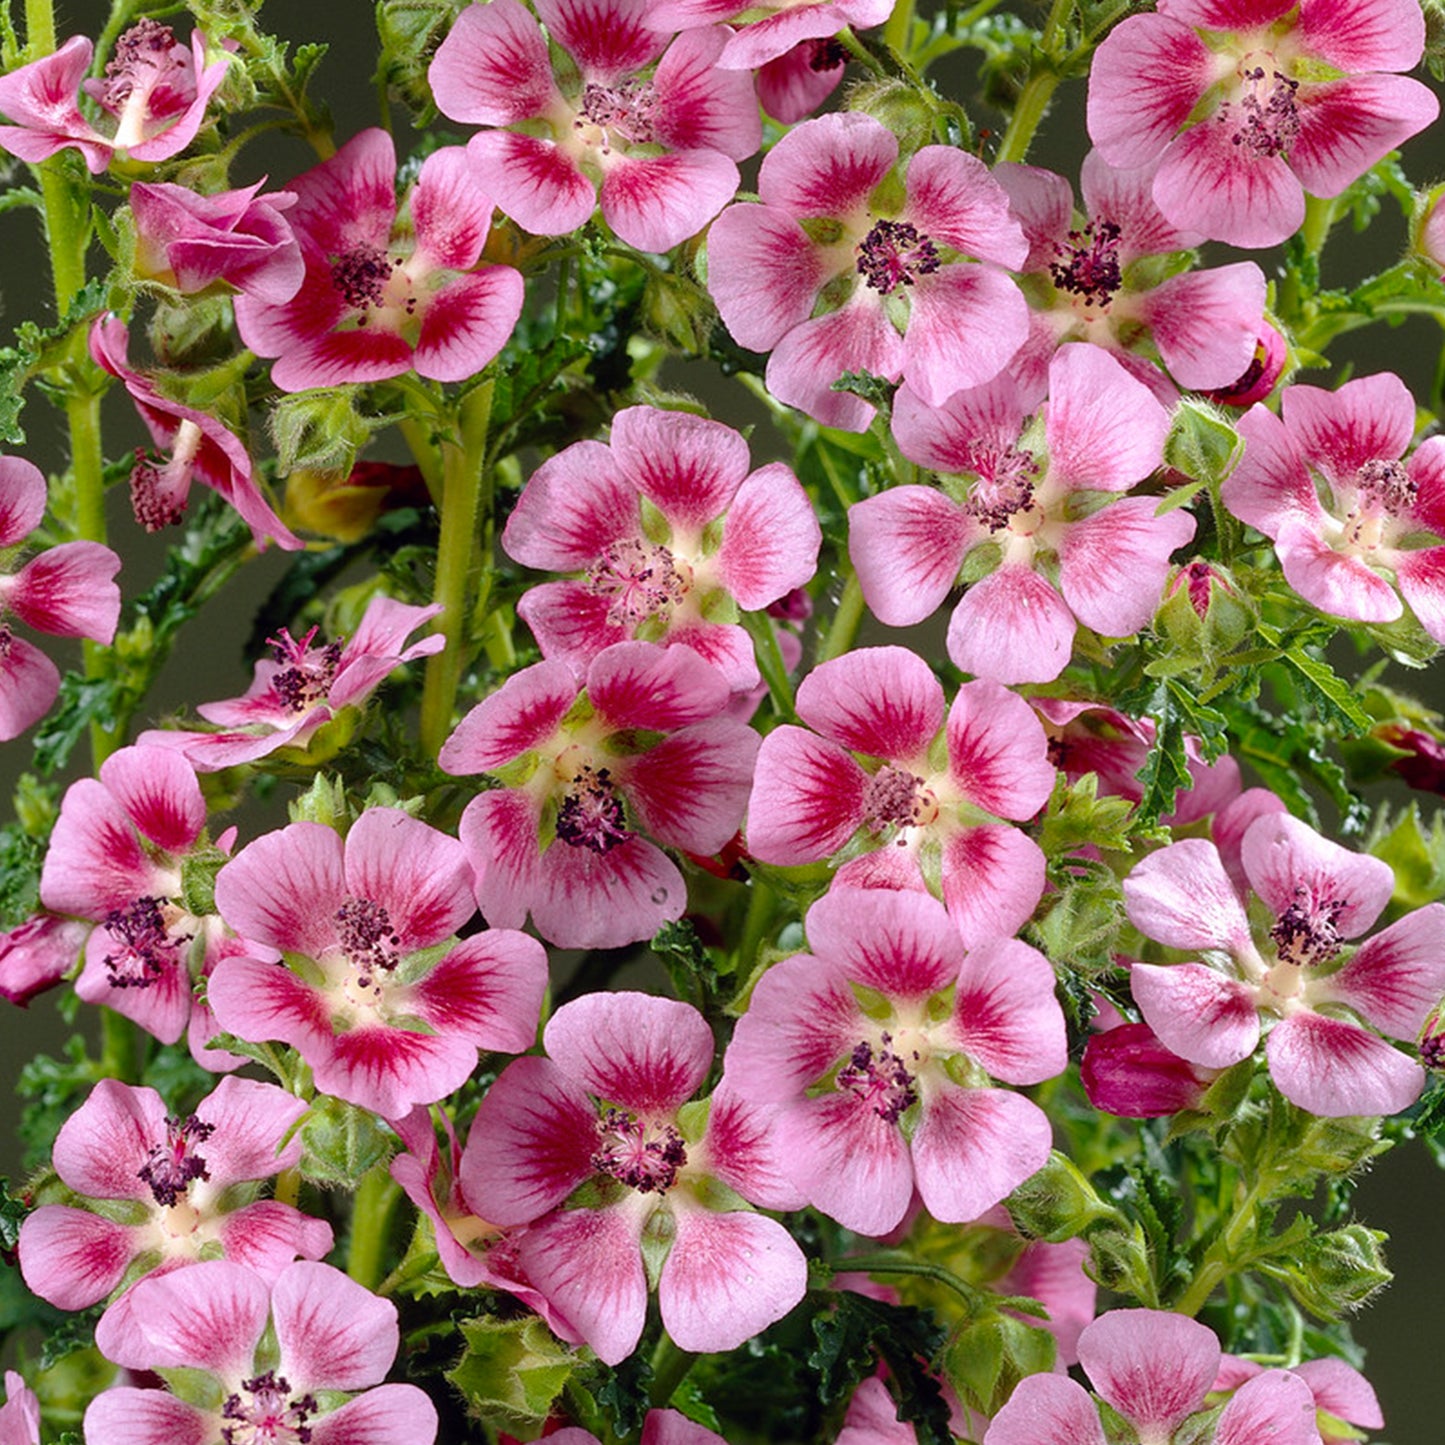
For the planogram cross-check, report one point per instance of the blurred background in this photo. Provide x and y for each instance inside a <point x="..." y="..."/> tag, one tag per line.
<point x="1403" y="1194"/>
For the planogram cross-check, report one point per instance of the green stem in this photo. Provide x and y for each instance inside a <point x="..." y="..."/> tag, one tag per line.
<point x="886" y="1262"/>
<point x="288" y="1187"/>
<point x="1028" y="114"/>
<point x="770" y="662"/>
<point x="39" y="27"/>
<point x="670" y="1366"/>
<point x="898" y="27"/>
<point x="846" y="621"/>
<point x="376" y="1197"/>
<point x="1220" y="1258"/>
<point x="467" y="489"/>
<point x="122" y="1048"/>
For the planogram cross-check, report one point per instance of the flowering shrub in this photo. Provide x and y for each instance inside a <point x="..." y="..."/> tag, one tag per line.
<point x="806" y="856"/>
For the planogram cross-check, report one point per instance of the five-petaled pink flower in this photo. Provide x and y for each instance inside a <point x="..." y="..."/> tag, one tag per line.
<point x="1154" y="1369"/>
<point x="606" y="1113"/>
<point x="381" y="298"/>
<point x="656" y="140"/>
<point x="840" y="269"/>
<point x="386" y="1014"/>
<point x="1070" y="549"/>
<point x="154" y="88"/>
<point x="201" y="449"/>
<point x="903" y="797"/>
<point x="292" y="1361"/>
<point x="642" y="747"/>
<point x="1356" y="553"/>
<point x="1323" y="1005"/>
<point x="880" y="1045"/>
<point x="1248" y="104"/>
<point x="671" y="532"/>
<point x="66" y="591"/>
<point x="185" y="1188"/>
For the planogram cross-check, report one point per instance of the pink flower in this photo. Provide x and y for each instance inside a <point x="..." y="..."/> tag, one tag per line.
<point x="872" y="1105"/>
<point x="1248" y="104"/>
<point x="303" y="686"/>
<point x="1154" y="1369"/>
<point x="1342" y="1395"/>
<point x="1323" y="1049"/>
<point x="1084" y="283"/>
<point x="232" y="239"/>
<point x="1259" y="379"/>
<point x="382" y="298"/>
<point x="1356" y="554"/>
<point x="642" y="747"/>
<point x="606" y="1110"/>
<point x="672" y="534"/>
<point x="38" y="954"/>
<point x="660" y="137"/>
<point x="1103" y="433"/>
<point x="155" y="89"/>
<point x="794" y="85"/>
<point x="915" y="814"/>
<point x="294" y="1360"/>
<point x="188" y="1187"/>
<point x="660" y="1427"/>
<point x="202" y="449"/>
<point x="767" y="30"/>
<point x="1128" y="1072"/>
<point x="384" y="1012"/>
<point x="830" y="278"/>
<point x="66" y="591"/>
<point x="20" y="1414"/>
<point x="119" y="857"/>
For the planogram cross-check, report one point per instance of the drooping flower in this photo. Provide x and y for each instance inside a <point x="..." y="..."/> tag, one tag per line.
<point x="66" y="591"/>
<point x="201" y="449"/>
<point x="1091" y="280"/>
<point x="1154" y="1369"/>
<point x="1248" y="104"/>
<point x="671" y="532"/>
<point x="118" y="858"/>
<point x="1070" y="549"/>
<point x="1127" y="1071"/>
<point x="606" y="1113"/>
<point x="384" y="1012"/>
<point x="20" y="1414"/>
<point x="294" y="1361"/>
<point x="383" y="296"/>
<point x="1325" y="1008"/>
<point x="233" y="239"/>
<point x="302" y="686"/>
<point x="592" y="772"/>
<point x="155" y="89"/>
<point x="38" y="954"/>
<point x="768" y="30"/>
<point x="154" y="1193"/>
<point x="792" y="86"/>
<point x="1259" y="379"/>
<point x="910" y="799"/>
<point x="837" y="271"/>
<point x="881" y="1044"/>
<point x="656" y="140"/>
<point x="1369" y="541"/>
<point x="1342" y="1395"/>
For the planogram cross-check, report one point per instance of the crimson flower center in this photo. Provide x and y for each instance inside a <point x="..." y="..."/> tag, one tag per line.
<point x="880" y="1078"/>
<point x="1088" y="264"/>
<point x="306" y="672"/>
<point x="640" y="581"/>
<point x="893" y="253"/>
<point x="625" y="112"/>
<point x="897" y="798"/>
<point x="364" y="931"/>
<point x="362" y="277"/>
<point x="145" y="57"/>
<point x="143" y="946"/>
<point x="269" y="1415"/>
<point x="159" y="487"/>
<point x="1306" y="933"/>
<point x="645" y="1157"/>
<point x="170" y="1167"/>
<point x="1264" y="117"/>
<point x="1005" y="487"/>
<point x="591" y="814"/>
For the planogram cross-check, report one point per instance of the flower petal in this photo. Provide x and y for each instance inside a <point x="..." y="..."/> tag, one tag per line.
<point x="1336" y="1069"/>
<point x="1153" y="1367"/>
<point x="1012" y="627"/>
<point x="1197" y="1012"/>
<point x="332" y="1333"/>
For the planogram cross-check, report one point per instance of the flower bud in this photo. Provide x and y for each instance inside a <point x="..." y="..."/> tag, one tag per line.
<point x="897" y="106"/>
<point x="1128" y="1072"/>
<point x="1338" y="1271"/>
<point x="1429" y="230"/>
<point x="1057" y="1203"/>
<point x="1261" y="376"/>
<point x="1204" y="614"/>
<point x="346" y="507"/>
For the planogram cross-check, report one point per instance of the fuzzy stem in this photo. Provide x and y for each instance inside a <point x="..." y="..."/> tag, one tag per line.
<point x="846" y="620"/>
<point x="376" y="1197"/>
<point x="1033" y="103"/>
<point x="670" y="1367"/>
<point x="122" y="1048"/>
<point x="898" y="27"/>
<point x="467" y="492"/>
<point x="887" y="1262"/>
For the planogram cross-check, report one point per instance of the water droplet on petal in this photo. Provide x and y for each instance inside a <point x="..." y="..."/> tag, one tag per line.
<point x="659" y="896"/>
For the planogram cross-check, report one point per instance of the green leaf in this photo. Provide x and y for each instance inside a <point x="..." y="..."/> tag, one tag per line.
<point x="512" y="1372"/>
<point x="1336" y="702"/>
<point x="341" y="1143"/>
<point x="1201" y="442"/>
<point x="624" y="1393"/>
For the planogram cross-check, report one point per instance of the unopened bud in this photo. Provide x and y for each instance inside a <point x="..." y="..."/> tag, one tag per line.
<point x="1261" y="376"/>
<point x="897" y="106"/>
<point x="1432" y="1039"/>
<point x="1057" y="1203"/>
<point x="1428" y="231"/>
<point x="1203" y="613"/>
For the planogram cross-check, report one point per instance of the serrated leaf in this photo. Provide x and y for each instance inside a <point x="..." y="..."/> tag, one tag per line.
<point x="1333" y="698"/>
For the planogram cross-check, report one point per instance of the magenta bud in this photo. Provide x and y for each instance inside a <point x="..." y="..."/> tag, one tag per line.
<point x="1260" y="376"/>
<point x="1128" y="1072"/>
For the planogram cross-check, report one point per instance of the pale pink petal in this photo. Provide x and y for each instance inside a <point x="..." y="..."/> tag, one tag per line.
<point x="882" y="701"/>
<point x="209" y="1316"/>
<point x="1227" y="191"/>
<point x="532" y="180"/>
<point x="332" y="1333"/>
<point x="1290" y="865"/>
<point x="419" y="875"/>
<point x="770" y="539"/>
<point x="963" y="435"/>
<point x="1181" y="896"/>
<point x="812" y="356"/>
<point x="1343" y="1391"/>
<point x="828" y="166"/>
<point x="794" y="85"/>
<point x="701" y="107"/>
<point x="728" y="649"/>
<point x="1049" y="1408"/>
<point x="67" y="591"/>
<point x="104" y="1143"/>
<point x="1012" y="627"/>
<point x="588" y="900"/>
<point x="647" y="1054"/>
<point x="1396" y="977"/>
<point x="1271" y="484"/>
<point x="656" y="202"/>
<point x="41" y="97"/>
<point x="519" y="717"/>
<point x="1113" y="564"/>
<point x="96" y="860"/>
<point x="492" y="68"/>
<point x="1147" y="77"/>
<point x="1336" y="1069"/>
<point x="387" y="1068"/>
<point x="488" y="990"/>
<point x="907" y="545"/>
<point x="383" y="1416"/>
<point x="975" y="1146"/>
<point x="764" y="273"/>
<point x="499" y="830"/>
<point x="1233" y="823"/>
<point x="641" y="685"/>
<point x="1005" y="1015"/>
<point x="606" y="38"/>
<point x="1043" y="204"/>
<point x="1206" y="324"/>
<point x="1358" y="35"/>
<point x="689" y="467"/>
<point x="901" y="944"/>
<point x="588" y="1263"/>
<point x="531" y="1143"/>
<point x="1367" y="419"/>
<point x="671" y="1427"/>
<point x="1276" y="1405"/>
<point x="1105" y="430"/>
<point x="266" y="1235"/>
<point x="1348" y="125"/>
<point x="993" y="878"/>
<point x="146" y="1417"/>
<point x="727" y="1278"/>
<point x="284" y="889"/>
<point x="467" y="322"/>
<point x="690" y="791"/>
<point x="159" y="790"/>
<point x="953" y="198"/>
<point x="1153" y="1367"/>
<point x="251" y="1118"/>
<point x="966" y="324"/>
<point x="1124" y="197"/>
<point x="162" y="1007"/>
<point x="23" y="495"/>
<point x="770" y="37"/>
<point x="573" y="507"/>
<point x="998" y="756"/>
<point x="262" y="1001"/>
<point x="740" y="1148"/>
<point x="807" y="798"/>
<point x="1197" y="1012"/>
<point x="72" y="1258"/>
<point x="1421" y="579"/>
<point x="29" y="684"/>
